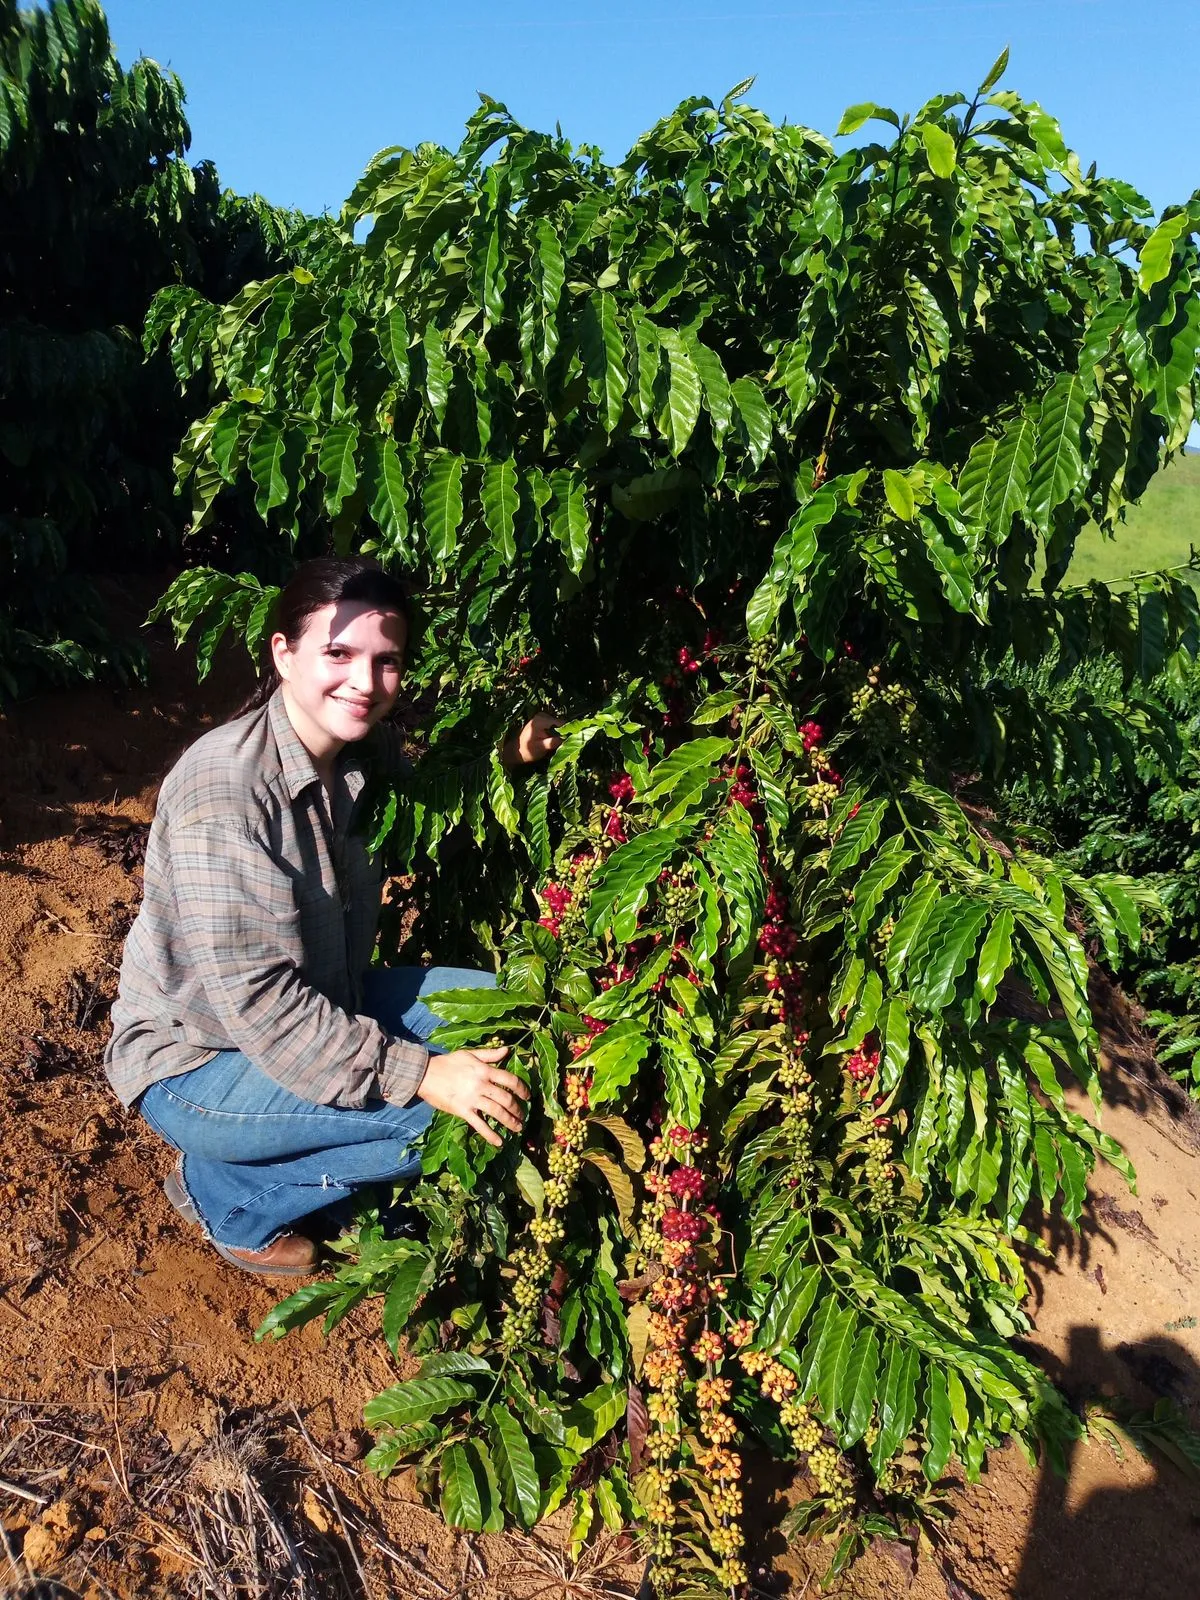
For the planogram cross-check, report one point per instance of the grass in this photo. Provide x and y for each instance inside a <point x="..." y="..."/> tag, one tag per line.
<point x="1158" y="532"/>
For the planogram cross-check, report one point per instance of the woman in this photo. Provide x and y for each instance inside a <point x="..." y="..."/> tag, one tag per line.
<point x="249" y="1030"/>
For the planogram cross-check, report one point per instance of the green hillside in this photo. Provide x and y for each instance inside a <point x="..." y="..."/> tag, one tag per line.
<point x="1157" y="533"/>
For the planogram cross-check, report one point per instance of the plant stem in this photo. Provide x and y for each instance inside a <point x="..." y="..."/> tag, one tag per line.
<point x="822" y="466"/>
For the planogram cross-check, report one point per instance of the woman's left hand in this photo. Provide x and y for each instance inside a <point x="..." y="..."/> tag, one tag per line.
<point x="537" y="739"/>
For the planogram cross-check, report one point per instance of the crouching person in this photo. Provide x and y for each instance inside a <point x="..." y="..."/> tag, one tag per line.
<point x="250" y="1030"/>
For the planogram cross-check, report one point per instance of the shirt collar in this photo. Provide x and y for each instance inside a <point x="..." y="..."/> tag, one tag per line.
<point x="295" y="762"/>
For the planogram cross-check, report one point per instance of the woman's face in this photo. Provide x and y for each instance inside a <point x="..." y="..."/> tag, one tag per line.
<point x="344" y="673"/>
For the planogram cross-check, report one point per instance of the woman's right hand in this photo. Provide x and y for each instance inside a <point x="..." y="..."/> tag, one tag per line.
<point x="469" y="1084"/>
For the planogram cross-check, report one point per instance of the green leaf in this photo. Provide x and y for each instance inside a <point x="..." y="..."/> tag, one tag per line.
<point x="756" y="424"/>
<point x="899" y="492"/>
<point x="718" y="397"/>
<point x="415" y="1401"/>
<point x="442" y="505"/>
<point x="925" y="894"/>
<point x="858" y="1387"/>
<point x="938" y="962"/>
<point x="854" y="116"/>
<point x="304" y="1305"/>
<point x="589" y="1420"/>
<point x="835" y="1358"/>
<point x="570" y="521"/>
<point x="620" y="888"/>
<point x="606" y="1504"/>
<point x="583" y="1514"/>
<point x="603" y="352"/>
<point x="413" y="1277"/>
<point x="1007" y="487"/>
<point x="460" y="1500"/>
<point x="1158" y="252"/>
<point x="810" y="1360"/>
<point x="896" y="1044"/>
<point x="515" y="1466"/>
<point x="680" y="408"/>
<point x="939" y="147"/>
<point x="897" y="1401"/>
<point x="389" y="500"/>
<point x="500" y="502"/>
<point x="394" y="341"/>
<point x="447" y="1362"/>
<point x="613" y="1059"/>
<point x="266" y="456"/>
<point x="689" y="765"/>
<point x="438" y="372"/>
<point x="858" y="835"/>
<point x="884" y="871"/>
<point x="337" y="464"/>
<point x="949" y="559"/>
<point x="996" y="956"/>
<point x="937" y="1423"/>
<point x="731" y="854"/>
<point x="998" y="68"/>
<point x="1058" y="461"/>
<point x="1074" y="1179"/>
<point x="488" y="1484"/>
<point x="789" y="1305"/>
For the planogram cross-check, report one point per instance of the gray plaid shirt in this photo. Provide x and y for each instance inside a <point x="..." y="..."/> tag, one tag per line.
<point x="258" y="922"/>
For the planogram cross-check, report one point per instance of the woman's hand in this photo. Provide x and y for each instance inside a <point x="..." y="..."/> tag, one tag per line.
<point x="538" y="738"/>
<point x="469" y="1084"/>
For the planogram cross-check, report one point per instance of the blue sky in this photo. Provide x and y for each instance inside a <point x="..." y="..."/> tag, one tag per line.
<point x="291" y="97"/>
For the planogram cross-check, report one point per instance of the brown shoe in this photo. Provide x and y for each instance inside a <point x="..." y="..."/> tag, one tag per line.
<point x="289" y="1256"/>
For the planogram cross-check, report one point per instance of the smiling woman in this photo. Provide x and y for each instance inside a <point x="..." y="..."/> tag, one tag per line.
<point x="248" y="1030"/>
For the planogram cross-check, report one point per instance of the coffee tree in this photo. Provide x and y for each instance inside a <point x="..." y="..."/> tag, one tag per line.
<point x="100" y="211"/>
<point x="763" y="464"/>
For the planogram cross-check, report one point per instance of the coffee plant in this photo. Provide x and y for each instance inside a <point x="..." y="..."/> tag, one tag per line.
<point x="761" y="460"/>
<point x="100" y="211"/>
<point x="1144" y="821"/>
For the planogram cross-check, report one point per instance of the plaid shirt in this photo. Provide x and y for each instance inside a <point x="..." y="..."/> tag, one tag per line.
<point x="258" y="922"/>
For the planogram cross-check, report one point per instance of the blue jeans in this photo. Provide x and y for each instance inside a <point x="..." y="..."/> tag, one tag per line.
<point x="256" y="1157"/>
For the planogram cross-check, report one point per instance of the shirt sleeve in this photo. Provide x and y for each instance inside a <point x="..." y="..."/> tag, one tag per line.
<point x="240" y="925"/>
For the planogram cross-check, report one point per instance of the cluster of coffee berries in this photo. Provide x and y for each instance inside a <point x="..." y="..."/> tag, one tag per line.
<point x="774" y="1379"/>
<point x="879" y="1168"/>
<point x="862" y="1065"/>
<point x="834" y="1483"/>
<point x="881" y="708"/>
<point x="532" y="1266"/>
<point x="797" y="1120"/>
<point x="822" y="794"/>
<point x="804" y="1429"/>
<point x="557" y="900"/>
<point x="802" y="1426"/>
<point x="722" y="1466"/>
<point x="682" y="1299"/>
<point x="778" y="941"/>
<point x="826" y="785"/>
<point x="676" y="896"/>
<point x="762" y="655"/>
<point x="741" y="791"/>
<point x="621" y="788"/>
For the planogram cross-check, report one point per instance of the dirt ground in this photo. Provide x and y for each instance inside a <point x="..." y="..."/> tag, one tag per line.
<point x="147" y="1443"/>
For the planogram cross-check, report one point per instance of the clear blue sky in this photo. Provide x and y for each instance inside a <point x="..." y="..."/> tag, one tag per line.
<point x="291" y="97"/>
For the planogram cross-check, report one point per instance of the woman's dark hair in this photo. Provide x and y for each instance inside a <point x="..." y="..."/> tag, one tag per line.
<point x="326" y="581"/>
